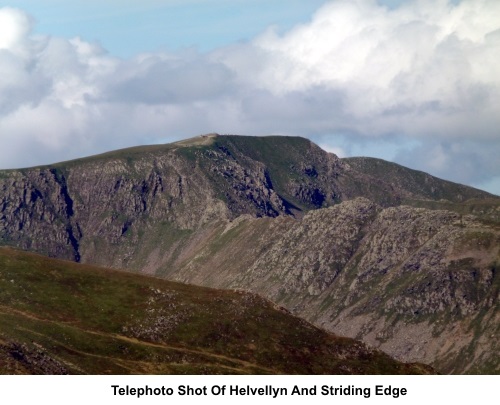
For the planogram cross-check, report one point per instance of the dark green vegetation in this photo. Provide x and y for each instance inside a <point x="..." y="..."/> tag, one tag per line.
<point x="61" y="317"/>
<point x="362" y="247"/>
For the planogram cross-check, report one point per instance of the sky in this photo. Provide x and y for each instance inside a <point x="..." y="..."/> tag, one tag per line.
<point x="416" y="82"/>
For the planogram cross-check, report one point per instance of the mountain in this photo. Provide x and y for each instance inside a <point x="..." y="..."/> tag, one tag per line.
<point x="365" y="248"/>
<point x="81" y="208"/>
<point x="59" y="317"/>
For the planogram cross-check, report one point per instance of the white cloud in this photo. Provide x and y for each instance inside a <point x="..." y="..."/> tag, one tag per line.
<point x="427" y="64"/>
<point x="14" y="26"/>
<point x="424" y="72"/>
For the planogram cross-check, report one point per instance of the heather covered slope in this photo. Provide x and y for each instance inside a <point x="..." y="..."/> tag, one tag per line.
<point x="61" y="317"/>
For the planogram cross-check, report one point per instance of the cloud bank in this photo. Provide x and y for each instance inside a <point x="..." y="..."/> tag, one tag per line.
<point x="422" y="77"/>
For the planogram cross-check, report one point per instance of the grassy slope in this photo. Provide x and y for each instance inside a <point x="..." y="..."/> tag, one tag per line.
<point x="62" y="317"/>
<point x="414" y="181"/>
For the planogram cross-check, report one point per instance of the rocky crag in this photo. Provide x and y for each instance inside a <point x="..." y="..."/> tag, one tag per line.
<point x="365" y="248"/>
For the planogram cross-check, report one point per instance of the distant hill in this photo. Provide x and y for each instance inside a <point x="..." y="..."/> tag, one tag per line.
<point x="58" y="317"/>
<point x="395" y="257"/>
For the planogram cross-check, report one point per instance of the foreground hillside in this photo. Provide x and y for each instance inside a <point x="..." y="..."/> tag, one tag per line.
<point x="60" y="317"/>
<point x="365" y="248"/>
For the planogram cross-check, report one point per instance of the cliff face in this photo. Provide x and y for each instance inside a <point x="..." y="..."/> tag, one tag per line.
<point x="328" y="238"/>
<point x="37" y="213"/>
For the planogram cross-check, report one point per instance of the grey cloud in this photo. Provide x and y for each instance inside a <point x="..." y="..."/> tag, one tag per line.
<point x="20" y="83"/>
<point x="169" y="81"/>
<point x="317" y="109"/>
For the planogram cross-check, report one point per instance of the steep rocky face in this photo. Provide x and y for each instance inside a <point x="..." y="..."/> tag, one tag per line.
<point x="37" y="213"/>
<point x="279" y="216"/>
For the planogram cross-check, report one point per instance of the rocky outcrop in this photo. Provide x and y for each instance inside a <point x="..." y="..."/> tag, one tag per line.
<point x="22" y="359"/>
<point x="37" y="213"/>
